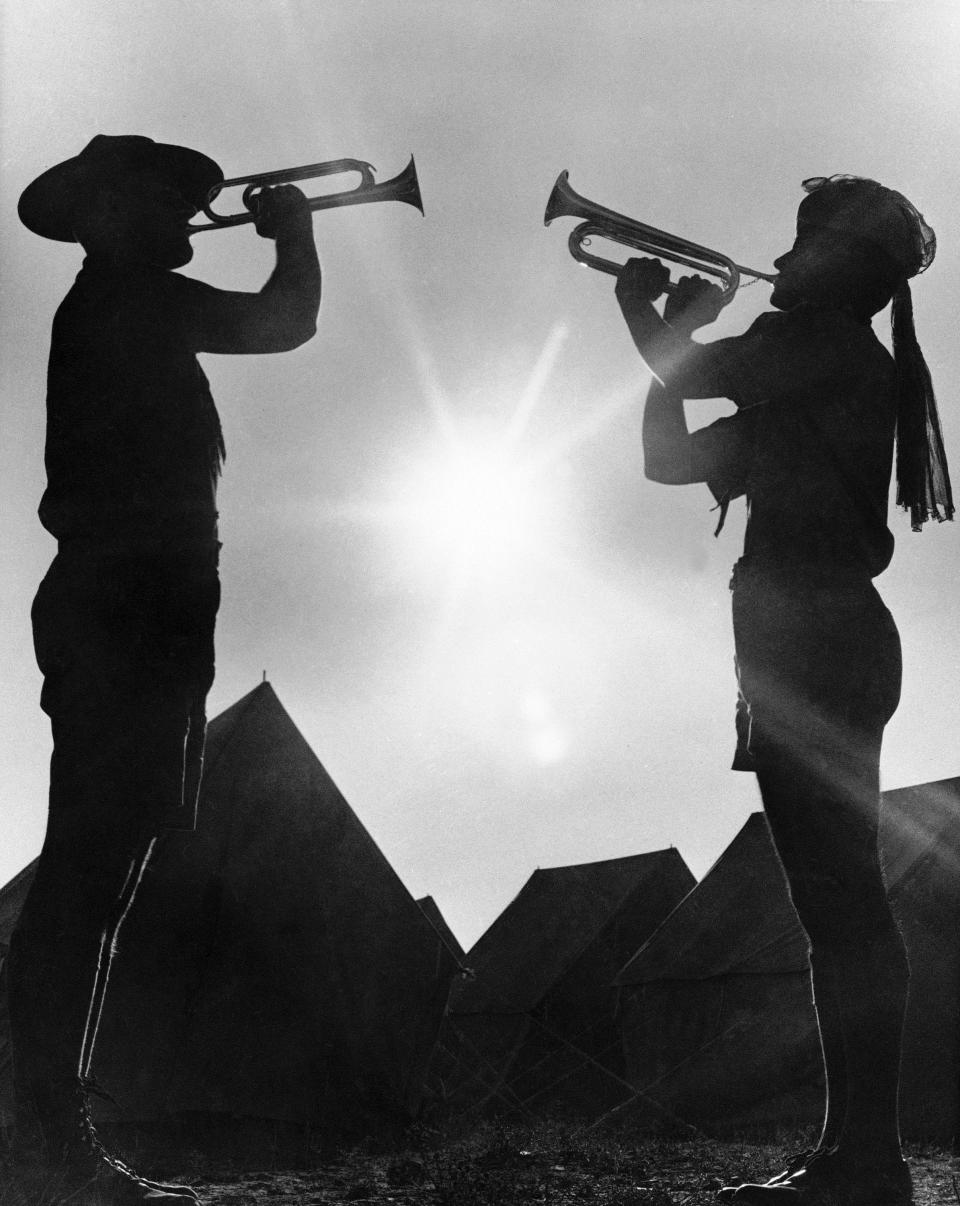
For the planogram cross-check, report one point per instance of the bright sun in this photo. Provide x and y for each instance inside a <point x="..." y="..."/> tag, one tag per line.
<point x="473" y="509"/>
<point x="481" y="522"/>
<point x="485" y="503"/>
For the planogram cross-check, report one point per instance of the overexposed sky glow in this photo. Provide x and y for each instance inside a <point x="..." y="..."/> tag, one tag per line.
<point x="508" y="649"/>
<point x="472" y="508"/>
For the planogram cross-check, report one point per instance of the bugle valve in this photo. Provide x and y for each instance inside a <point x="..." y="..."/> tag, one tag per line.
<point x="598" y="221"/>
<point x="403" y="187"/>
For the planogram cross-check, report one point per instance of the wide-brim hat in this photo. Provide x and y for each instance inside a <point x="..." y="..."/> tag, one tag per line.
<point x="49" y="205"/>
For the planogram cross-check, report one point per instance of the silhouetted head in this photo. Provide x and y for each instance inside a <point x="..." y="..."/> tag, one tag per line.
<point x="142" y="219"/>
<point x="857" y="243"/>
<point x="123" y="198"/>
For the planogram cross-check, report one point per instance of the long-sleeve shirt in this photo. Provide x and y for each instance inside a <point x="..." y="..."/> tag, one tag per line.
<point x="133" y="445"/>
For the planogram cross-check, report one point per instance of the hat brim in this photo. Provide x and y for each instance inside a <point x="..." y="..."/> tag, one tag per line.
<point x="48" y="205"/>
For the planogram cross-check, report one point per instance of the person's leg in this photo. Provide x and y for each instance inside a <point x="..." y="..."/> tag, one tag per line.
<point x="826" y="999"/>
<point x="97" y="846"/>
<point x="824" y="818"/>
<point x="826" y="834"/>
<point x="125" y="643"/>
<point x="57" y="951"/>
<point x="829" y="1023"/>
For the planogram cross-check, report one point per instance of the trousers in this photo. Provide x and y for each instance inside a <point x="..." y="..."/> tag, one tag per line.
<point x="124" y="636"/>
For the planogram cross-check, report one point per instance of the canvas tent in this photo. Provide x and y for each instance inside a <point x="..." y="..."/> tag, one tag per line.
<point x="534" y="1029"/>
<point x="12" y="897"/>
<point x="439" y="923"/>
<point x="274" y="966"/>
<point x="718" y="1024"/>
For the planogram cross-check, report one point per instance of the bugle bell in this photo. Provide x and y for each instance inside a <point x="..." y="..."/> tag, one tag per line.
<point x="403" y="187"/>
<point x="565" y="202"/>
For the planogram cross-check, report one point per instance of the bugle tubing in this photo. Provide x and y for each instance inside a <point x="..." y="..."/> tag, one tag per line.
<point x="403" y="187"/>
<point x="565" y="202"/>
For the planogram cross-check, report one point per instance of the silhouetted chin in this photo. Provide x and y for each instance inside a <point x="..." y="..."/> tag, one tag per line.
<point x="185" y="257"/>
<point x="780" y="302"/>
<point x="783" y="298"/>
<point x="171" y="255"/>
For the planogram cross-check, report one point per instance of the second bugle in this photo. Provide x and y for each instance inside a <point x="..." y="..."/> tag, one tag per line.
<point x="598" y="221"/>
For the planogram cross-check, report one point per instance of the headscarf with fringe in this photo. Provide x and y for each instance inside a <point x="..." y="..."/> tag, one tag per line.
<point x="884" y="218"/>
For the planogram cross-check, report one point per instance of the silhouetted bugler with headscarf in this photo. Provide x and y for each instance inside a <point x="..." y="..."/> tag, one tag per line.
<point x="821" y="406"/>
<point x="124" y="619"/>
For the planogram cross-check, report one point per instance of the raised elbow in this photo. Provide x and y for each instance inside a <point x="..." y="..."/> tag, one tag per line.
<point x="656" y="473"/>
<point x="294" y="323"/>
<point x="666" y="471"/>
<point x="292" y="335"/>
<point x="303" y="333"/>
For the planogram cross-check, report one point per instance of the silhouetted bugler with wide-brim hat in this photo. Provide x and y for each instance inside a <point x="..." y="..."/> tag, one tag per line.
<point x="48" y="206"/>
<point x="124" y="619"/>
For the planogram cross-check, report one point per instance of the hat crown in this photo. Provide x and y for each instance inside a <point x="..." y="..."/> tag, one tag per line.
<point x="112" y="144"/>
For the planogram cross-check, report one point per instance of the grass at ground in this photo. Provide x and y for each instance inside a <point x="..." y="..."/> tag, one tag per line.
<point x="544" y="1165"/>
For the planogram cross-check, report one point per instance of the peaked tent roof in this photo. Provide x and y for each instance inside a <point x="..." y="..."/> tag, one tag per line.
<point x="551" y="922"/>
<point x="439" y="923"/>
<point x="12" y="896"/>
<point x="274" y="965"/>
<point x="739" y="918"/>
<point x="534" y="1028"/>
<point x="921" y="823"/>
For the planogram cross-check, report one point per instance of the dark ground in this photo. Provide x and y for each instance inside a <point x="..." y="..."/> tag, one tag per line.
<point x="546" y="1165"/>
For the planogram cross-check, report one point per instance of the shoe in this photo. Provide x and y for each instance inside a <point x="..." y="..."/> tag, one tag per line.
<point x="121" y="1186"/>
<point x="824" y="1182"/>
<point x="793" y="1165"/>
<point x="94" y="1147"/>
<point x="73" y="1167"/>
<point x="92" y="1183"/>
<point x="184" y="1191"/>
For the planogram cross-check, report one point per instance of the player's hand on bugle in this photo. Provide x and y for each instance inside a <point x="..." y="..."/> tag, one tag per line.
<point x="641" y="280"/>
<point x="693" y="302"/>
<point x="281" y="209"/>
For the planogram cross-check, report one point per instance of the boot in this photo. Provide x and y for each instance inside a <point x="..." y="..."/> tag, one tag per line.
<point x="75" y="1167"/>
<point x="793" y="1165"/>
<point x="828" y="1182"/>
<point x="88" y="1183"/>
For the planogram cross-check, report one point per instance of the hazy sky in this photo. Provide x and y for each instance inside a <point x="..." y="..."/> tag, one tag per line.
<point x="507" y="648"/>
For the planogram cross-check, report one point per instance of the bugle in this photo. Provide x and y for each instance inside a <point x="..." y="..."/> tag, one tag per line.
<point x="565" y="202"/>
<point x="403" y="187"/>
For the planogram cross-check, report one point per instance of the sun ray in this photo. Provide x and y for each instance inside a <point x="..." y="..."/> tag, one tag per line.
<point x="534" y="388"/>
<point x="600" y="415"/>
<point x="477" y="476"/>
<point x="515" y="646"/>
